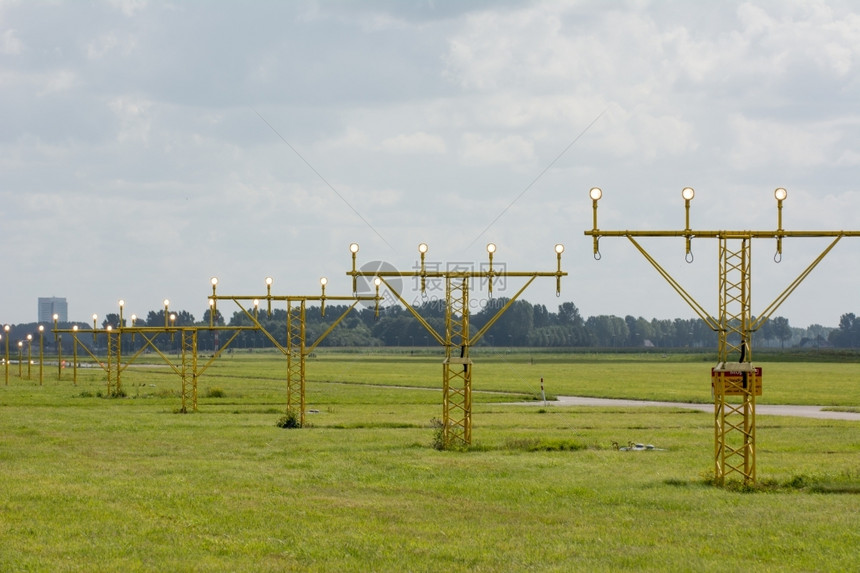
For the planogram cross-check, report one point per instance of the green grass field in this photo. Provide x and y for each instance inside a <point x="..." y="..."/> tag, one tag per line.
<point x="91" y="483"/>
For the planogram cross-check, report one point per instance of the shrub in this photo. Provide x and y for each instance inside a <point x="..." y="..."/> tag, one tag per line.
<point x="438" y="427"/>
<point x="290" y="419"/>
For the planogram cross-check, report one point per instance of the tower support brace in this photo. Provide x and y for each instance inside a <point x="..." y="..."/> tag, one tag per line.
<point x="296" y="359"/>
<point x="188" y="369"/>
<point x="734" y="401"/>
<point x="457" y="367"/>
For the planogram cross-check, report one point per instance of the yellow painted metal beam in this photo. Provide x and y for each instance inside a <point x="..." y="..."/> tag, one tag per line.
<point x="478" y="335"/>
<point x="717" y="234"/>
<point x="771" y="308"/>
<point x="427" y="326"/>
<point x="712" y="322"/>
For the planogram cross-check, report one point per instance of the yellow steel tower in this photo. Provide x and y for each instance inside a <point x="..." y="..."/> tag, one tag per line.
<point x="296" y="349"/>
<point x="456" y="369"/>
<point x="295" y="352"/>
<point x="188" y="368"/>
<point x="735" y="380"/>
<point x="457" y="339"/>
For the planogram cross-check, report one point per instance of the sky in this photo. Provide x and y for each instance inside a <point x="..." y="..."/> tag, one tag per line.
<point x="149" y="146"/>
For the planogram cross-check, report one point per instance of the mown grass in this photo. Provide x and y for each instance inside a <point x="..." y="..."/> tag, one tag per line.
<point x="128" y="484"/>
<point x="648" y="376"/>
<point x="651" y="376"/>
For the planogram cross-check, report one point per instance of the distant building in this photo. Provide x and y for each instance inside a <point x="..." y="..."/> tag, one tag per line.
<point x="50" y="306"/>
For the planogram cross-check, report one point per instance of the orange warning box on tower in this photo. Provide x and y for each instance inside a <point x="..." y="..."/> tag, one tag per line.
<point x="733" y="381"/>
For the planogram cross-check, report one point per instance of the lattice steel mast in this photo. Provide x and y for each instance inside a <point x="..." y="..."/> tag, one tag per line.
<point x="296" y="348"/>
<point x="457" y="339"/>
<point x="734" y="422"/>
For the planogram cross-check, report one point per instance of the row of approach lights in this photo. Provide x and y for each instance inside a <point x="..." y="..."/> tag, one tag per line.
<point x="256" y="301"/>
<point x="423" y="248"/>
<point x="422" y="251"/>
<point x="29" y="336"/>
<point x="687" y="193"/>
<point x="170" y="318"/>
<point x="6" y="329"/>
<point x="377" y="281"/>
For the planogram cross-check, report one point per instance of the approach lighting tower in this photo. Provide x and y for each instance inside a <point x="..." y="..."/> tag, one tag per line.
<point x="296" y="349"/>
<point x="457" y="339"/>
<point x="187" y="367"/>
<point x="734" y="374"/>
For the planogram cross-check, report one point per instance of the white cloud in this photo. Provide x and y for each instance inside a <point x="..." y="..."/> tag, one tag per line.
<point x="351" y="138"/>
<point x="764" y="143"/>
<point x="638" y="134"/>
<point x="57" y="81"/>
<point x="477" y="149"/>
<point x="129" y="7"/>
<point x="110" y="44"/>
<point x="793" y="36"/>
<point x="133" y="115"/>
<point x="10" y="44"/>
<point x="418" y="142"/>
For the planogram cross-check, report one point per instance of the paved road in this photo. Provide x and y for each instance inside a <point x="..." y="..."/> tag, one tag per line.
<point x="762" y="409"/>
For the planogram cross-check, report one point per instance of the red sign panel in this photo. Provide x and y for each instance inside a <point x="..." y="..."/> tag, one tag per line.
<point x="734" y="383"/>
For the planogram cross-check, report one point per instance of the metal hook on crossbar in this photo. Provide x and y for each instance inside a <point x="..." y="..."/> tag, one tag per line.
<point x="777" y="257"/>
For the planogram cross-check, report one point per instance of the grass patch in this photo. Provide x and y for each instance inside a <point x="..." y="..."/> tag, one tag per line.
<point x="371" y="425"/>
<point x="847" y="482"/>
<point x="544" y="445"/>
<point x="117" y="482"/>
<point x="842" y="409"/>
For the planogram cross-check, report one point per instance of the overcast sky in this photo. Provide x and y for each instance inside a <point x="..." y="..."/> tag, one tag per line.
<point x="148" y="146"/>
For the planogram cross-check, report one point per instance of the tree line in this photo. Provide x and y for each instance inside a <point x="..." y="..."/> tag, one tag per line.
<point x="522" y="325"/>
